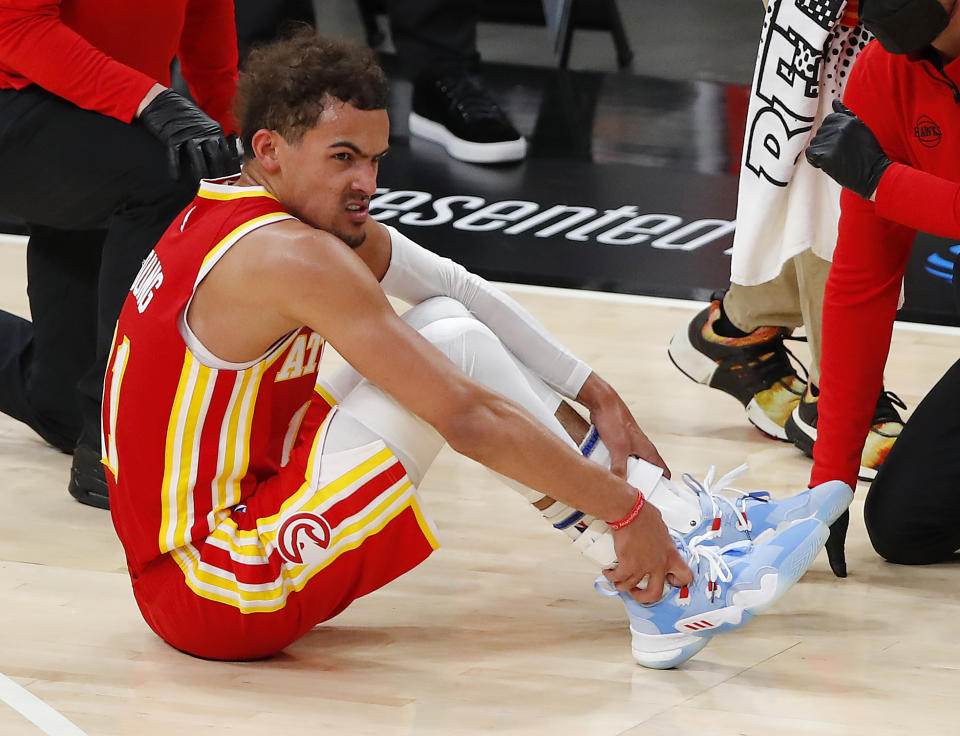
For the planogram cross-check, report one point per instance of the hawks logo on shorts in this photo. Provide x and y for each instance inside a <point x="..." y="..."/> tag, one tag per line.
<point x="301" y="535"/>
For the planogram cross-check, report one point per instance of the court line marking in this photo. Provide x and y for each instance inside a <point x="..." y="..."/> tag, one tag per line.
<point x="660" y="301"/>
<point x="653" y="301"/>
<point x="36" y="711"/>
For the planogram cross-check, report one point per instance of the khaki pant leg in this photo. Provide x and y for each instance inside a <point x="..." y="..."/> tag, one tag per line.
<point x="812" y="274"/>
<point x="793" y="299"/>
<point x="774" y="303"/>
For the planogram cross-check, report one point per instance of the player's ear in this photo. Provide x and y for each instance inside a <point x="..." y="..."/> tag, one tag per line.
<point x="266" y="145"/>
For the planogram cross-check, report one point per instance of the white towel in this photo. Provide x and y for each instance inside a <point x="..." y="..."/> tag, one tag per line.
<point x="784" y="205"/>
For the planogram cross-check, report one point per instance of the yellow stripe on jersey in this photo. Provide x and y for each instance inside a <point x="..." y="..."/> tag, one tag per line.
<point x="241" y="193"/>
<point x="168" y="506"/>
<point x="121" y="356"/>
<point x="326" y="395"/>
<point x="309" y="499"/>
<point x="234" y="235"/>
<point x="110" y="359"/>
<point x="249" y="542"/>
<point x="233" y="453"/>
<point x="426" y="525"/>
<point x="221" y="585"/>
<point x="184" y="430"/>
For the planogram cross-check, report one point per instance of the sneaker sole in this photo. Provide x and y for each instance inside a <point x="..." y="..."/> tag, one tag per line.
<point x="801" y="434"/>
<point x="90" y="497"/>
<point x="663" y="651"/>
<point x="469" y="151"/>
<point x="867" y="474"/>
<point x="700" y="368"/>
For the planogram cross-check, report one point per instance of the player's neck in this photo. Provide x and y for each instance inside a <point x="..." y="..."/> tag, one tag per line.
<point x="253" y="175"/>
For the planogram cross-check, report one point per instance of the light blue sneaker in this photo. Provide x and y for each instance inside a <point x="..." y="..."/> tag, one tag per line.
<point x="730" y="515"/>
<point x="730" y="586"/>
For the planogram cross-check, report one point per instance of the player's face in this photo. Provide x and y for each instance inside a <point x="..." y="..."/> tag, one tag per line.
<point x="332" y="172"/>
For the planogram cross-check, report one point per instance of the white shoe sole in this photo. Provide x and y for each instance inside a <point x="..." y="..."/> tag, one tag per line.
<point x="759" y="419"/>
<point x="700" y="368"/>
<point x="811" y="432"/>
<point x="663" y="651"/>
<point x="692" y="363"/>
<point x="470" y="151"/>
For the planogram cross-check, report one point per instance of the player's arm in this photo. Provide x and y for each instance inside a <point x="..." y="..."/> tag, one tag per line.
<point x="412" y="273"/>
<point x="315" y="279"/>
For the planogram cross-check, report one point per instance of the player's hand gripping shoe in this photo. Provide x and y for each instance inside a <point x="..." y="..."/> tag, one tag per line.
<point x="731" y="585"/>
<point x="715" y="512"/>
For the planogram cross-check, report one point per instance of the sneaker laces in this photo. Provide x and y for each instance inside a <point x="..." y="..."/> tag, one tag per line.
<point x="718" y="570"/>
<point x="886" y="408"/>
<point x="714" y="488"/>
<point x="781" y="364"/>
<point x="694" y="552"/>
<point x="469" y="98"/>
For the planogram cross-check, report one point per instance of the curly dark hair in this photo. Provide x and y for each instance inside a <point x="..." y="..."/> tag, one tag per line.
<point x="284" y="85"/>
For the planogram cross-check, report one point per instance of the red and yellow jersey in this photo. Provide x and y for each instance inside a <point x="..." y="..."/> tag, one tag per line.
<point x="186" y="437"/>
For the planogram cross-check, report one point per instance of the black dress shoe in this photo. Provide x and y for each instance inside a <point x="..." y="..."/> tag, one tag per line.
<point x="88" y="481"/>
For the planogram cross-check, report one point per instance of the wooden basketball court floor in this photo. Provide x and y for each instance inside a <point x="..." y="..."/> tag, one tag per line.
<point x="500" y="631"/>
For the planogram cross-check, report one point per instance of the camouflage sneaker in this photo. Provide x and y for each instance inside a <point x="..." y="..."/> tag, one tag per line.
<point x="886" y="427"/>
<point x="887" y="424"/>
<point x="755" y="369"/>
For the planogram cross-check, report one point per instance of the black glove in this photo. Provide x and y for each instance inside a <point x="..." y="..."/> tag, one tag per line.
<point x="848" y="152"/>
<point x="835" y="545"/>
<point x="189" y="133"/>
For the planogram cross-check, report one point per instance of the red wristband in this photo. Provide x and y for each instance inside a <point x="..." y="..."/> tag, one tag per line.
<point x="634" y="513"/>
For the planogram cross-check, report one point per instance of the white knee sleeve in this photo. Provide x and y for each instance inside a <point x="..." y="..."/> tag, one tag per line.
<point x="473" y="348"/>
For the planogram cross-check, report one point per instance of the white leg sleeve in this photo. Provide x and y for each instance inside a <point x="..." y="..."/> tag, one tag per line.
<point x="472" y="347"/>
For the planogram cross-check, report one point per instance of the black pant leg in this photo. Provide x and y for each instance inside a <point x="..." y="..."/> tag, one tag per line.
<point x="912" y="511"/>
<point x="62" y="268"/>
<point x="73" y="170"/>
<point x="434" y="36"/>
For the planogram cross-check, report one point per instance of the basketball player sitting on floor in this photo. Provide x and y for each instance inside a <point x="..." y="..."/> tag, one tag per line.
<point x="254" y="502"/>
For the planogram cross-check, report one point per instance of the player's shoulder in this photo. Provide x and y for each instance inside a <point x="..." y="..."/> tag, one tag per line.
<point x="290" y="246"/>
<point x="291" y="234"/>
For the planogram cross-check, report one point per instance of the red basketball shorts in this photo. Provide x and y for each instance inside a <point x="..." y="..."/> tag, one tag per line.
<point x="319" y="534"/>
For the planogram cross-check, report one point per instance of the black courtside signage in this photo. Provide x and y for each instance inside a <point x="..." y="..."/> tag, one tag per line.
<point x="626" y="225"/>
<point x="927" y="132"/>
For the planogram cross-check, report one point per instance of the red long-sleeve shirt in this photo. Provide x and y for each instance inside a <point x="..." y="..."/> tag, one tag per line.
<point x="104" y="55"/>
<point x="914" y="110"/>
